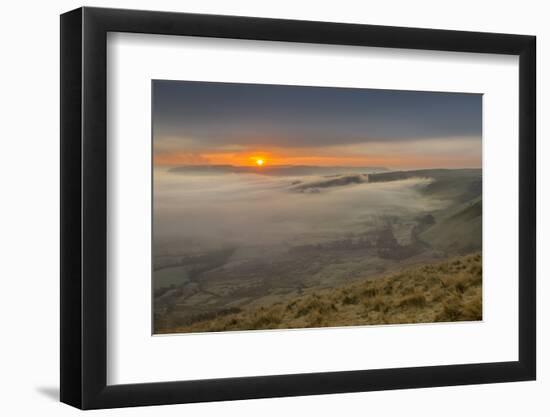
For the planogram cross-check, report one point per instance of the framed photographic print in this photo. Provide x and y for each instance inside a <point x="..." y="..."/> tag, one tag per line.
<point x="257" y="208"/>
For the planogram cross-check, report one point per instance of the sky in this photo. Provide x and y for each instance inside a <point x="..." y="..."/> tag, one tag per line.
<point x="207" y="123"/>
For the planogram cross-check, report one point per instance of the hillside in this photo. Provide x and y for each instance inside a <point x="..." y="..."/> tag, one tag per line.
<point x="460" y="232"/>
<point x="328" y="182"/>
<point x="459" y="185"/>
<point x="457" y="229"/>
<point x="438" y="292"/>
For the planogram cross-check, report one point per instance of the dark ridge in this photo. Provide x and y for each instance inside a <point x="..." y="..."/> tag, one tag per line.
<point x="288" y="170"/>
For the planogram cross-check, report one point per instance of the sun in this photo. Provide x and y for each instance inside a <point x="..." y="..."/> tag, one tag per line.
<point x="259" y="162"/>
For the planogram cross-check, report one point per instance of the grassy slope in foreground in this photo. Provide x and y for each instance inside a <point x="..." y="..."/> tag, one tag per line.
<point x="440" y="292"/>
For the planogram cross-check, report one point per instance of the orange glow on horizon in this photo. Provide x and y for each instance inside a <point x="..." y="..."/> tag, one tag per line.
<point x="302" y="157"/>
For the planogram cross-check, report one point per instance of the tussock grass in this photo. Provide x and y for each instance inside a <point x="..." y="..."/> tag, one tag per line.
<point x="441" y="292"/>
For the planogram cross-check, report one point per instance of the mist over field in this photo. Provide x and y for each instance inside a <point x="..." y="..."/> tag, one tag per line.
<point x="249" y="210"/>
<point x="228" y="243"/>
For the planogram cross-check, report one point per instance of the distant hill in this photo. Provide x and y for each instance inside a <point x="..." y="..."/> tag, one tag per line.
<point x="459" y="185"/>
<point x="328" y="181"/>
<point x="439" y="173"/>
<point x="283" y="170"/>
<point x="438" y="292"/>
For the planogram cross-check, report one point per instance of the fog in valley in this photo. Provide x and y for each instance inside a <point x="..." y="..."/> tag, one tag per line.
<point x="201" y="212"/>
<point x="227" y="241"/>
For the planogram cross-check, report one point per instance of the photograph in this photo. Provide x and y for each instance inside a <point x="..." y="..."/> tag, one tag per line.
<point x="289" y="207"/>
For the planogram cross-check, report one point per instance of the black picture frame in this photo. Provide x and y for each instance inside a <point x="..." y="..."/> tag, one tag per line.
<point x="84" y="207"/>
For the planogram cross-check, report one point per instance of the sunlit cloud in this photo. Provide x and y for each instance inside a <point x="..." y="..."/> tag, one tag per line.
<point x="457" y="152"/>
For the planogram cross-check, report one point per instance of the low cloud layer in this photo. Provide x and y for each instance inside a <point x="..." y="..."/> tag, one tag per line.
<point x="256" y="210"/>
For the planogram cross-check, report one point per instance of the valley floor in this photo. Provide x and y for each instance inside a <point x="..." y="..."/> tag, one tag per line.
<point x="445" y="291"/>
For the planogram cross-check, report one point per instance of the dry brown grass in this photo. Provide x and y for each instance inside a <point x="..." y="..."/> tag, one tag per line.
<point x="441" y="292"/>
